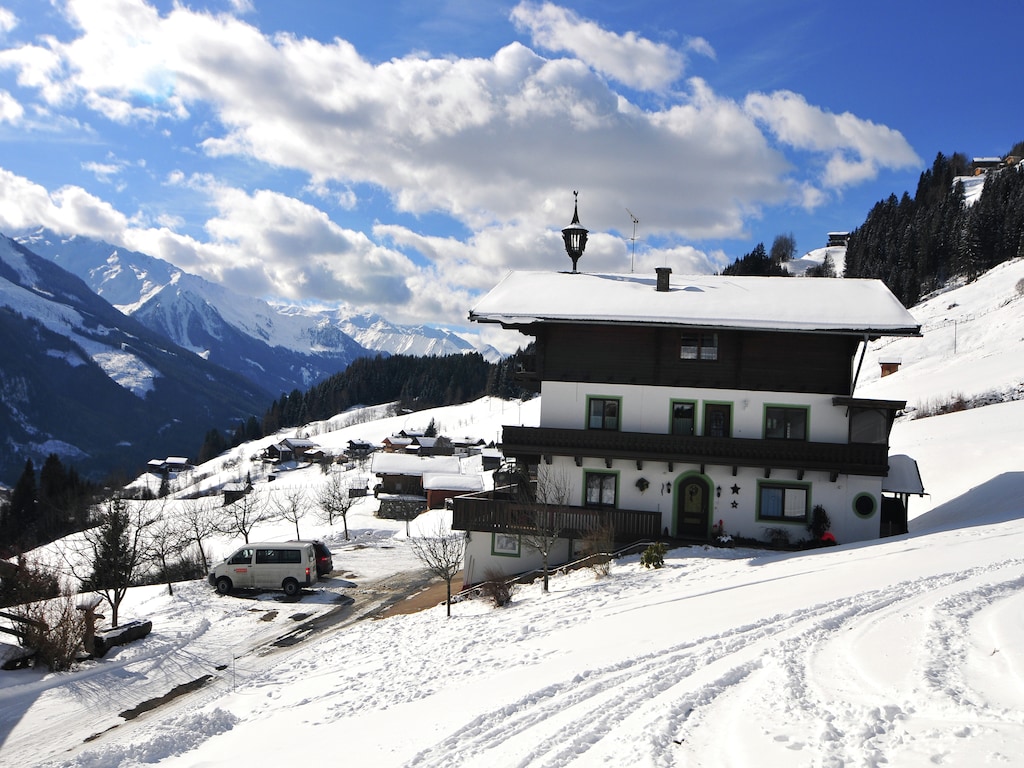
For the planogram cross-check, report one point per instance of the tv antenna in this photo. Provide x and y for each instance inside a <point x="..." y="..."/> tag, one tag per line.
<point x="636" y="221"/>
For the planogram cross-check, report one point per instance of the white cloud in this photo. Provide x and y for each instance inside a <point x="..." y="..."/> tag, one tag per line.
<point x="632" y="60"/>
<point x="496" y="143"/>
<point x="70" y="209"/>
<point x="855" y="148"/>
<point x="10" y="110"/>
<point x="8" y="20"/>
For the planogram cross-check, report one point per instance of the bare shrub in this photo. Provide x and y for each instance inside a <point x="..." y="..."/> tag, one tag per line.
<point x="598" y="545"/>
<point x="777" y="537"/>
<point x="497" y="588"/>
<point x="54" y="629"/>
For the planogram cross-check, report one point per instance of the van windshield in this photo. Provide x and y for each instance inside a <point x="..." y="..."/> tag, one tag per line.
<point x="241" y="557"/>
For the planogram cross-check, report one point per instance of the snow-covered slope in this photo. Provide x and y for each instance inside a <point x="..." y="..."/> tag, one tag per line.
<point x="815" y="258"/>
<point x="902" y="652"/>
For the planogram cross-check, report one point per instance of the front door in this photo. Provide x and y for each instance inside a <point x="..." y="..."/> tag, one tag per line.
<point x="693" y="509"/>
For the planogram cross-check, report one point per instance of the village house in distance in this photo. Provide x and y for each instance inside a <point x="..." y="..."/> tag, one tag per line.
<point x="688" y="407"/>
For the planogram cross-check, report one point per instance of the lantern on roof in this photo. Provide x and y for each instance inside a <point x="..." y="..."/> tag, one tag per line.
<point x="575" y="235"/>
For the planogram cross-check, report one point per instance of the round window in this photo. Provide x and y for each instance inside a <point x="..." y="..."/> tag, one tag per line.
<point x="864" y="504"/>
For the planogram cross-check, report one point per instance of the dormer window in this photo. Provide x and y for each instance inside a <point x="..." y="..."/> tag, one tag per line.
<point x="699" y="346"/>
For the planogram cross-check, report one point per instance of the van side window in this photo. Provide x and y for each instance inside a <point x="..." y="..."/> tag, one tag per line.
<point x="241" y="557"/>
<point x="267" y="556"/>
<point x="290" y="555"/>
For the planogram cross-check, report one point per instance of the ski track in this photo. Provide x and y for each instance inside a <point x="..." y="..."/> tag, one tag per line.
<point x="693" y="695"/>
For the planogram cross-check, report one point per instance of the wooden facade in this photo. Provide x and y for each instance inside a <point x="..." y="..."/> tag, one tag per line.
<point x="642" y="355"/>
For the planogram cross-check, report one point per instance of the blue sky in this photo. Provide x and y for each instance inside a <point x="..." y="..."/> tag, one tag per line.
<point x="402" y="156"/>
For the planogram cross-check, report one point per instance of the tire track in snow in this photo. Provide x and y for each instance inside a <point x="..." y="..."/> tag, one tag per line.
<point x="670" y="688"/>
<point x="840" y="718"/>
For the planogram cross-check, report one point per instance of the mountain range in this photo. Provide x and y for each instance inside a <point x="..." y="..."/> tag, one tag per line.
<point x="95" y="386"/>
<point x="278" y="347"/>
<point x="113" y="357"/>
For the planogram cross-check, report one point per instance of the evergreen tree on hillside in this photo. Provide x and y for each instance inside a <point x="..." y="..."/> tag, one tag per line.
<point x="757" y="263"/>
<point x="917" y="244"/>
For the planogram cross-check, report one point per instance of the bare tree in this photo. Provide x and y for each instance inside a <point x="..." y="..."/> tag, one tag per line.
<point x="334" y="500"/>
<point x="291" y="505"/>
<point x="441" y="552"/>
<point x="168" y="539"/>
<point x="196" y="517"/>
<point x="541" y="519"/>
<point x="241" y="516"/>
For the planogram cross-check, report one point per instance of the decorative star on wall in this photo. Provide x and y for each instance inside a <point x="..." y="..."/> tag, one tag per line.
<point x="735" y="504"/>
<point x="735" y="489"/>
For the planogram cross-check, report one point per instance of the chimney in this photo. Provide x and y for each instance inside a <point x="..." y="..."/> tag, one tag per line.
<point x="663" y="273"/>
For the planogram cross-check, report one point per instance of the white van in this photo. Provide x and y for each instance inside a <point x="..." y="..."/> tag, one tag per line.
<point x="269" y="565"/>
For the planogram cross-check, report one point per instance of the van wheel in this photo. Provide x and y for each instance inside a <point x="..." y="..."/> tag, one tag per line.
<point x="223" y="585"/>
<point x="291" y="587"/>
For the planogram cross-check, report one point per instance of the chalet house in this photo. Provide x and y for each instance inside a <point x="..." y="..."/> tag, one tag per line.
<point x="440" y="487"/>
<point x="168" y="465"/>
<point x="398" y="444"/>
<point x="290" y="449"/>
<point x="235" y="491"/>
<point x="688" y="407"/>
<point x="402" y="473"/>
<point x="359" y="449"/>
<point x="464" y="446"/>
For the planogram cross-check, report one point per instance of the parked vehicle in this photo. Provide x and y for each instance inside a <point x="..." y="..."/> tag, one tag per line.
<point x="288" y="566"/>
<point x="324" y="558"/>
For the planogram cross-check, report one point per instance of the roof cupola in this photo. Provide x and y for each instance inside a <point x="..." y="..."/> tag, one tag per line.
<point x="575" y="235"/>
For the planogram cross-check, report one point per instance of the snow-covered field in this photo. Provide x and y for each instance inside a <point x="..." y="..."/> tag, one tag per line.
<point x="903" y="652"/>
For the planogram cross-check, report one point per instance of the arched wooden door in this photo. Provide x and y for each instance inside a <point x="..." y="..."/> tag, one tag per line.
<point x="693" y="508"/>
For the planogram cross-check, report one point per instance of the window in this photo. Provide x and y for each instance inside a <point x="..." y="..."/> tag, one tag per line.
<point x="241" y="557"/>
<point x="603" y="413"/>
<point x="683" y="418"/>
<point x="277" y="556"/>
<point x="505" y="544"/>
<point x="869" y="425"/>
<point x="864" y="505"/>
<point x="717" y="420"/>
<point x="699" y="346"/>
<point x="785" y="423"/>
<point x="782" y="502"/>
<point x="601" y="487"/>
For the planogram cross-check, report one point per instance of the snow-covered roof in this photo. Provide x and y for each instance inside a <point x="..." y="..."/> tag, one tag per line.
<point x="436" y="481"/>
<point x="411" y="464"/>
<point x="903" y="477"/>
<point x="847" y="305"/>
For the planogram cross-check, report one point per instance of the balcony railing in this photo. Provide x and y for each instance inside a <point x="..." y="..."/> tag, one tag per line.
<point x="483" y="512"/>
<point x="842" y="458"/>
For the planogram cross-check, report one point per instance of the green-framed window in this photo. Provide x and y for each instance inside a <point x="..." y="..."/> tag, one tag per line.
<point x="505" y="544"/>
<point x="717" y="419"/>
<point x="684" y="417"/>
<point x="786" y="422"/>
<point x="864" y="505"/>
<point x="603" y="413"/>
<point x="601" y="489"/>
<point x="783" y="502"/>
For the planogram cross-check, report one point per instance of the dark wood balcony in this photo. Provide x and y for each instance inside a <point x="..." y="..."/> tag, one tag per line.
<point x="484" y="512"/>
<point x="533" y="443"/>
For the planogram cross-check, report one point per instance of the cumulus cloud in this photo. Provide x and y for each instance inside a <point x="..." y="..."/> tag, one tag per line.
<point x="494" y="143"/>
<point x="10" y="110"/>
<point x="8" y="20"/>
<point x="855" y="148"/>
<point x="632" y="60"/>
<point x="70" y="209"/>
